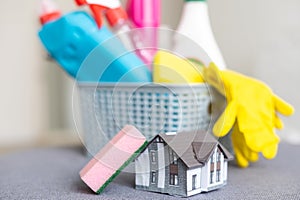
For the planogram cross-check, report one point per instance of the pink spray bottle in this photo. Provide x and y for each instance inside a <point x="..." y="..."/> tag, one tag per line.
<point x="145" y="14"/>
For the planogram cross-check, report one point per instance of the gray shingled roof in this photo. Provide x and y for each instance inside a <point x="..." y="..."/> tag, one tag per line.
<point x="194" y="147"/>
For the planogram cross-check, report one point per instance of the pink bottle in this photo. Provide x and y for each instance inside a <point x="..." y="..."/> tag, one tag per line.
<point x="145" y="14"/>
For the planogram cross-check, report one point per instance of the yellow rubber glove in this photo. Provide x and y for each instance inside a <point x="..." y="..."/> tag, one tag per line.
<point x="252" y="113"/>
<point x="170" y="68"/>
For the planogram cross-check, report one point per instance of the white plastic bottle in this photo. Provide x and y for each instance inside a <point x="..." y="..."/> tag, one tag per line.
<point x="195" y="24"/>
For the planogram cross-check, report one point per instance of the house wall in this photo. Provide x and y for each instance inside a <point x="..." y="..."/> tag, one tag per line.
<point x="205" y="175"/>
<point x="161" y="165"/>
<point x="189" y="182"/>
<point x="145" y="167"/>
<point x="142" y="170"/>
<point x="181" y="188"/>
<point x="225" y="171"/>
<point x="205" y="184"/>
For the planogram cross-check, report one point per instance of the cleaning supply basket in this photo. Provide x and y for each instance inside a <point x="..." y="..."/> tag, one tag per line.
<point x="152" y="108"/>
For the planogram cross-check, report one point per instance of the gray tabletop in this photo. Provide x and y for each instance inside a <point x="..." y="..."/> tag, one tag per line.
<point x="52" y="173"/>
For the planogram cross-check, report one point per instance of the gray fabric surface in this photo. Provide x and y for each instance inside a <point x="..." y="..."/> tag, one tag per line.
<point x="53" y="174"/>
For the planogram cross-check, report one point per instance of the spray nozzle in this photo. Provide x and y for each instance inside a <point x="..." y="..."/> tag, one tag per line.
<point x="48" y="11"/>
<point x="98" y="7"/>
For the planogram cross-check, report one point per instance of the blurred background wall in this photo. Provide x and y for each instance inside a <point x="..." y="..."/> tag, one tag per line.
<point x="258" y="38"/>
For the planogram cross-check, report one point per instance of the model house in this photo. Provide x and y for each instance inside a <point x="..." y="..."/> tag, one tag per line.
<point x="182" y="164"/>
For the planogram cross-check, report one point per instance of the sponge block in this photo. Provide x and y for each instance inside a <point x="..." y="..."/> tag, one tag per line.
<point x="113" y="158"/>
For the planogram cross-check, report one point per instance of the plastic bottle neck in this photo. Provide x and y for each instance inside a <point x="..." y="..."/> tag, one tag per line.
<point x="194" y="9"/>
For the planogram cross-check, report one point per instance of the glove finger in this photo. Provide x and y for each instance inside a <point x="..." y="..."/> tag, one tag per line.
<point x="210" y="74"/>
<point x="278" y="123"/>
<point x="241" y="159"/>
<point x="252" y="156"/>
<point x="238" y="143"/>
<point x="282" y="106"/>
<point x="270" y="151"/>
<point x="259" y="139"/>
<point x="213" y="76"/>
<point x="225" y="121"/>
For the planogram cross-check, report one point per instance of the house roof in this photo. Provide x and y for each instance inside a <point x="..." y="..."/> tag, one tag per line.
<point x="194" y="147"/>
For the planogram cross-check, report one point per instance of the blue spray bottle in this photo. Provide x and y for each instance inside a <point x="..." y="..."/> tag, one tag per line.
<point x="90" y="54"/>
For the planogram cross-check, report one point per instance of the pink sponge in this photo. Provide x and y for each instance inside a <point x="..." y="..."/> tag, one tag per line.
<point x="113" y="158"/>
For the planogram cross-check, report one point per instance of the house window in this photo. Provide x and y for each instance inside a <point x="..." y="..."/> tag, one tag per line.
<point x="218" y="166"/>
<point x="211" y="177"/>
<point x="173" y="174"/>
<point x="173" y="179"/>
<point x="212" y="169"/>
<point x="159" y="140"/>
<point x="173" y="167"/>
<point x="153" y="177"/>
<point x="219" y="156"/>
<point x="173" y="157"/>
<point x="153" y="156"/>
<point x="194" y="181"/>
<point x="218" y="176"/>
<point x="212" y="159"/>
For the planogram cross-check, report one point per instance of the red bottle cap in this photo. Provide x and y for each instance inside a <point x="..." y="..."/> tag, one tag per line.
<point x="114" y="15"/>
<point x="81" y="2"/>
<point x="49" y="17"/>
